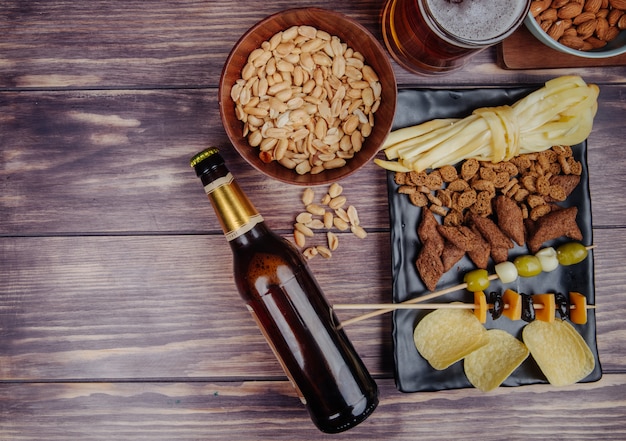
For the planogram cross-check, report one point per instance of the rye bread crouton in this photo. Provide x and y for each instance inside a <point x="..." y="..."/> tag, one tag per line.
<point x="427" y="231"/>
<point x="558" y="223"/>
<point x="462" y="237"/>
<point x="510" y="219"/>
<point x="451" y="255"/>
<point x="429" y="265"/>
<point x="481" y="251"/>
<point x="491" y="232"/>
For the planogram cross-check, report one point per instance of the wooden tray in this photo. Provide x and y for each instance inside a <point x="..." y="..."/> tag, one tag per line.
<point x="523" y="51"/>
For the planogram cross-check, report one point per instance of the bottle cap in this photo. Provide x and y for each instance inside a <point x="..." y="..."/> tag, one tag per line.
<point x="201" y="157"/>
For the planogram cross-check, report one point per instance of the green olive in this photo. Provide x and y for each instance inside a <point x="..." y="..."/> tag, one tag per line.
<point x="477" y="280"/>
<point x="571" y="253"/>
<point x="527" y="265"/>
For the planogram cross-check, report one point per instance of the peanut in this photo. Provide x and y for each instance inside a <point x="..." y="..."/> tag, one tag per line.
<point x="313" y="93"/>
<point x="317" y="217"/>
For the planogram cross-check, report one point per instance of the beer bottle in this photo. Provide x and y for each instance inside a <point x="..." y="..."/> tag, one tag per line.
<point x="289" y="307"/>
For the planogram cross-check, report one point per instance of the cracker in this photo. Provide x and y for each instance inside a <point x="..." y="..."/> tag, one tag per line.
<point x="448" y="173"/>
<point x="469" y="169"/>
<point x="567" y="182"/>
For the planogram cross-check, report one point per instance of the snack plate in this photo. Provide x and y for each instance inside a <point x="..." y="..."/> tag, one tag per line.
<point x="413" y="373"/>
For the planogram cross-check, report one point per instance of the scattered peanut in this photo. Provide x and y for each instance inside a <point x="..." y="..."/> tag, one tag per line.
<point x="307" y="196"/>
<point x="307" y="100"/>
<point x="324" y="251"/>
<point x="333" y="240"/>
<point x="334" y="217"/>
<point x="579" y="24"/>
<point x="358" y="231"/>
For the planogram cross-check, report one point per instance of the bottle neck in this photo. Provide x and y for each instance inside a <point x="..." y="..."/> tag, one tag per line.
<point x="235" y="212"/>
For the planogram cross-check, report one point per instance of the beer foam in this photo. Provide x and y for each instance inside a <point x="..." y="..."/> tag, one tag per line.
<point x="476" y="20"/>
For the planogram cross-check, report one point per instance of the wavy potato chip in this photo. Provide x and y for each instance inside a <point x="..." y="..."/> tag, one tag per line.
<point x="446" y="336"/>
<point x="560" y="351"/>
<point x="488" y="366"/>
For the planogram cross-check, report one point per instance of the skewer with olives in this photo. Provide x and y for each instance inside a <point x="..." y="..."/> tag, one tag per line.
<point x="545" y="260"/>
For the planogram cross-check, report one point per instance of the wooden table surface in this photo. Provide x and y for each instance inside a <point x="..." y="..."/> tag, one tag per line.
<point x="119" y="317"/>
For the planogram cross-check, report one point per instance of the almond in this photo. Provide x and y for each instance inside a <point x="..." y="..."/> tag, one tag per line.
<point x="602" y="13"/>
<point x="611" y="33"/>
<point x="595" y="42"/>
<point x="538" y="6"/>
<point x="549" y="14"/>
<point x="556" y="30"/>
<point x="602" y="27"/>
<point x="592" y="6"/>
<point x="586" y="29"/>
<point x="585" y="16"/>
<point x="573" y="42"/>
<point x="545" y="25"/>
<point x="621" y="24"/>
<point x="556" y="4"/>
<point x="587" y="46"/>
<point x="614" y="16"/>
<point x="618" y="4"/>
<point x="570" y="10"/>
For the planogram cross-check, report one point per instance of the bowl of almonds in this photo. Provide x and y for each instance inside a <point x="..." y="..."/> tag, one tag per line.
<point x="584" y="28"/>
<point x="307" y="96"/>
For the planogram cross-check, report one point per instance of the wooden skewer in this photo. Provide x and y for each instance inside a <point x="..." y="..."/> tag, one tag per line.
<point x="393" y="306"/>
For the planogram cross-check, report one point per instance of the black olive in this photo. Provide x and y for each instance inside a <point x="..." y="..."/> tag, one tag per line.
<point x="562" y="305"/>
<point x="528" y="309"/>
<point x="495" y="298"/>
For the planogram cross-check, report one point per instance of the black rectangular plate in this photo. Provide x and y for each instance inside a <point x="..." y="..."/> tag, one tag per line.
<point x="413" y="373"/>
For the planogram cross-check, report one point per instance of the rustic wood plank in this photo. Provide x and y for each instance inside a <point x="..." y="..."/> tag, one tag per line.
<point x="116" y="162"/>
<point x="151" y="307"/>
<point x="104" y="44"/>
<point x="270" y="410"/>
<point x="118" y="314"/>
<point x="523" y="51"/>
<point x="157" y="307"/>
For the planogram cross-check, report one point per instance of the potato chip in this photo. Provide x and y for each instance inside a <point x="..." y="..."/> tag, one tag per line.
<point x="560" y="351"/>
<point x="488" y="366"/>
<point x="445" y="336"/>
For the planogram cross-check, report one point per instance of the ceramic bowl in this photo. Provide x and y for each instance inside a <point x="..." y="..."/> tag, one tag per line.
<point x="612" y="48"/>
<point x="355" y="36"/>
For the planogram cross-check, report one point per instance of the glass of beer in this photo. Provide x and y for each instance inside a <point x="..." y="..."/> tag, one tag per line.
<point x="432" y="37"/>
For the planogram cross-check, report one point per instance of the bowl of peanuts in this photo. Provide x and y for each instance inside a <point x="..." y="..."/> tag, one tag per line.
<point x="584" y="28"/>
<point x="307" y="96"/>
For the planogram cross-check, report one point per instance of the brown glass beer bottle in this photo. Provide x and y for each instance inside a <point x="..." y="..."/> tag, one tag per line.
<point x="289" y="307"/>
